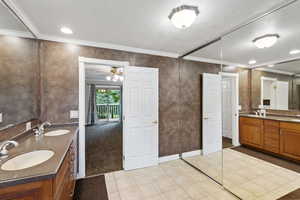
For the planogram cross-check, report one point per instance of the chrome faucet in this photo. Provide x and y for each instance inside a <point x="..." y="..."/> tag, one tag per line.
<point x="4" y="145"/>
<point x="40" y="130"/>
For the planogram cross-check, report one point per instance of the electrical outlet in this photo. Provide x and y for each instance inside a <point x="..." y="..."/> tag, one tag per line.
<point x="1" y="118"/>
<point x="74" y="114"/>
<point x="28" y="126"/>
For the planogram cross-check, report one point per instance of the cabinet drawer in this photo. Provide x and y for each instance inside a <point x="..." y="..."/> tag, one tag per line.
<point x="250" y="120"/>
<point x="271" y="123"/>
<point x="291" y="126"/>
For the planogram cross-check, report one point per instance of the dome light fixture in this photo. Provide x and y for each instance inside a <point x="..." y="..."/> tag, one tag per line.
<point x="265" y="41"/>
<point x="66" y="30"/>
<point x="252" y="62"/>
<point x="183" y="16"/>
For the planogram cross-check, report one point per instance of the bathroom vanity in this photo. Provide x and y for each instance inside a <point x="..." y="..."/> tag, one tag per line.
<point x="51" y="179"/>
<point x="274" y="134"/>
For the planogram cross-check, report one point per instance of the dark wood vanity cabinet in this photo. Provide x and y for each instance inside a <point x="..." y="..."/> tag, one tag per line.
<point x="61" y="187"/>
<point x="251" y="132"/>
<point x="282" y="138"/>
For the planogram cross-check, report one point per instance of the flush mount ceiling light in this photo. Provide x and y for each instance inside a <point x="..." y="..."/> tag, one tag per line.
<point x="116" y="74"/>
<point x="266" y="41"/>
<point x="270" y="65"/>
<point x="295" y="51"/>
<point x="252" y="62"/>
<point x="66" y="30"/>
<point x="183" y="16"/>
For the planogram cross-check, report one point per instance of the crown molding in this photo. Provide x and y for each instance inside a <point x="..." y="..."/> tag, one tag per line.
<point x="275" y="71"/>
<point x="22" y="16"/>
<point x="16" y="33"/>
<point x="214" y="61"/>
<point x="108" y="46"/>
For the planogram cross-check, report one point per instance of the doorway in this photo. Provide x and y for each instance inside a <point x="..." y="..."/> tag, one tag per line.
<point x="103" y="129"/>
<point x="137" y="115"/>
<point x="230" y="99"/>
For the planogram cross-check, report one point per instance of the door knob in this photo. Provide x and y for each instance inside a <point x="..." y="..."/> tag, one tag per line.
<point x="155" y="122"/>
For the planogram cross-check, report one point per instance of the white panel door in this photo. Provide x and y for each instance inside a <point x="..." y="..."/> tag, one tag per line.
<point x="140" y="127"/>
<point x="212" y="116"/>
<point x="282" y="95"/>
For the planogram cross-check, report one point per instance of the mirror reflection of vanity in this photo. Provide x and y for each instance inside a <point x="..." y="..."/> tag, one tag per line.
<point x="276" y="87"/>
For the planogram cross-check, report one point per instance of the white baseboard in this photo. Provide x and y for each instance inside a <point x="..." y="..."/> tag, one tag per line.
<point x="168" y="158"/>
<point x="191" y="153"/>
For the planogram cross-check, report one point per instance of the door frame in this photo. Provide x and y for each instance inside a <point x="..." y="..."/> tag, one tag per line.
<point x="235" y="123"/>
<point x="82" y="61"/>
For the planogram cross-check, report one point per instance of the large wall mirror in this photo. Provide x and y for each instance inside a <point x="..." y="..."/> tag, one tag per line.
<point x="204" y="76"/>
<point x="264" y="55"/>
<point x="18" y="71"/>
<point x="276" y="86"/>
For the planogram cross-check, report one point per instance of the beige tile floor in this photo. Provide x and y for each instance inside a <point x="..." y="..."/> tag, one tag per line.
<point x="252" y="178"/>
<point x="174" y="180"/>
<point x="248" y="177"/>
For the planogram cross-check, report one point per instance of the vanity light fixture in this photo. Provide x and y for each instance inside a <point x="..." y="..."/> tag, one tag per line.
<point x="183" y="16"/>
<point x="66" y="30"/>
<point x="265" y="41"/>
<point x="252" y="62"/>
<point x="295" y="51"/>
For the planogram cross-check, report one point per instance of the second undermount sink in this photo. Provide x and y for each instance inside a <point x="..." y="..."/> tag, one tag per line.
<point x="27" y="160"/>
<point x="57" y="132"/>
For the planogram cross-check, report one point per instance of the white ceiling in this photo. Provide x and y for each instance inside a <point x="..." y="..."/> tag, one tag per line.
<point x="98" y="73"/>
<point x="8" y="22"/>
<point x="238" y="47"/>
<point x="137" y="25"/>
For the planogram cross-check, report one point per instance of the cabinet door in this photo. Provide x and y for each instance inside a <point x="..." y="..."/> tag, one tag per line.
<point x="289" y="143"/>
<point x="28" y="191"/>
<point x="251" y="132"/>
<point x="271" y="136"/>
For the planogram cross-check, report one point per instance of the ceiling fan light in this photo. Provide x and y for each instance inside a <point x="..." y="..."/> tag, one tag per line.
<point x="266" y="41"/>
<point x="183" y="16"/>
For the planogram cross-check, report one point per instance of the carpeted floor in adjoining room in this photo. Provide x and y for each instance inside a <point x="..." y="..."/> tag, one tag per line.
<point x="103" y="148"/>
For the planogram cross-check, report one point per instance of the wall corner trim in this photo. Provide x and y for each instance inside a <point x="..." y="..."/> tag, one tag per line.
<point x="191" y="153"/>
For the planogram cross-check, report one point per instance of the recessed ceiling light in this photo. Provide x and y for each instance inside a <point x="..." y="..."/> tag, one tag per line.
<point x="252" y="62"/>
<point x="270" y="65"/>
<point x="66" y="30"/>
<point x="183" y="16"/>
<point x="295" y="51"/>
<point x="266" y="41"/>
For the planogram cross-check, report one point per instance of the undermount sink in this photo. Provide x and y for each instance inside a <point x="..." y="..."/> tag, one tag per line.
<point x="27" y="160"/>
<point x="57" y="132"/>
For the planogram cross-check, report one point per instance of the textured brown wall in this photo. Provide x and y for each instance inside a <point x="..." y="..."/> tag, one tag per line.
<point x="19" y="79"/>
<point x="179" y="113"/>
<point x="191" y="102"/>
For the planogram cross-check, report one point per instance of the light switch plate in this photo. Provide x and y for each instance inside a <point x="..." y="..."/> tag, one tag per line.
<point x="1" y="118"/>
<point x="74" y="114"/>
<point x="28" y="126"/>
<point x="239" y="107"/>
